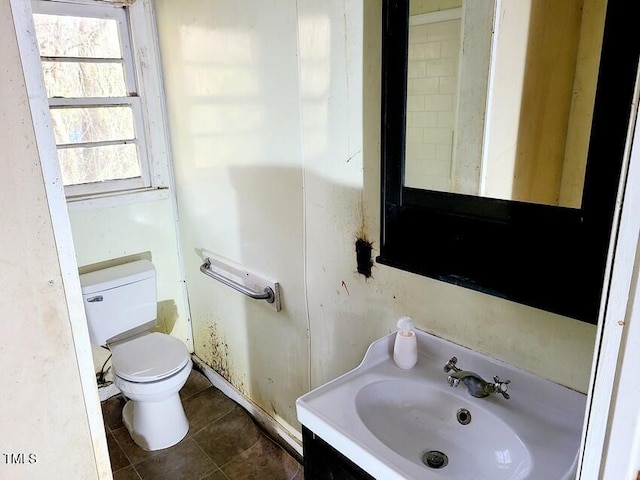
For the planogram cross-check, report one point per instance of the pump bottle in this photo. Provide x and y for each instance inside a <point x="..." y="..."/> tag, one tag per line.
<point x="405" y="348"/>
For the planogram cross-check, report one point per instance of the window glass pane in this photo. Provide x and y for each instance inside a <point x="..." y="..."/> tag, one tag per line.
<point x="66" y="36"/>
<point x="79" y="79"/>
<point x="97" y="164"/>
<point x="93" y="124"/>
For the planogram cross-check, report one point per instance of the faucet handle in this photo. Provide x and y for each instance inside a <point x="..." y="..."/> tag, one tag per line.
<point x="501" y="387"/>
<point x="451" y="365"/>
<point x="454" y="382"/>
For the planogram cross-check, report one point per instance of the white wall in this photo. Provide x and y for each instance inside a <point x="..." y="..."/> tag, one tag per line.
<point x="231" y="77"/>
<point x="49" y="426"/>
<point x="274" y="123"/>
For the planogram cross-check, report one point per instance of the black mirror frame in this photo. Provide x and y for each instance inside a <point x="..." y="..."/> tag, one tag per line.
<point x="547" y="257"/>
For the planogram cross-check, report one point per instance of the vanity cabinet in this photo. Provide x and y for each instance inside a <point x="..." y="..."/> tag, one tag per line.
<point x="323" y="462"/>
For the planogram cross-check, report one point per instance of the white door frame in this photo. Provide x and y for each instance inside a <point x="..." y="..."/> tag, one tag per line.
<point x="39" y="106"/>
<point x="610" y="433"/>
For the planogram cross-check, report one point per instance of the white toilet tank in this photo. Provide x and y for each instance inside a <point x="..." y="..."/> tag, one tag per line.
<point x="120" y="301"/>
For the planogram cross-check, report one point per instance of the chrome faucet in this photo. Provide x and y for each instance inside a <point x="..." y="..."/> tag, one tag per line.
<point x="475" y="384"/>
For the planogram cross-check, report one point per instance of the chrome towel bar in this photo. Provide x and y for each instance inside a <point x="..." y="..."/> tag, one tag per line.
<point x="241" y="279"/>
<point x="267" y="294"/>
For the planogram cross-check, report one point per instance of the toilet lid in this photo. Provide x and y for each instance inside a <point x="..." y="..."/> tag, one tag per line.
<point x="147" y="358"/>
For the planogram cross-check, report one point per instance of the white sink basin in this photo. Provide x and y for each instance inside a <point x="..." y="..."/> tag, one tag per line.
<point x="391" y="421"/>
<point x="426" y="420"/>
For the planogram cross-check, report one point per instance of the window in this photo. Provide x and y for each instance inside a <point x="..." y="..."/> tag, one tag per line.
<point x="98" y="112"/>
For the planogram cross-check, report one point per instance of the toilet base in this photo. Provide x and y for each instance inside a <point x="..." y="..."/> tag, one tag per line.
<point x="156" y="425"/>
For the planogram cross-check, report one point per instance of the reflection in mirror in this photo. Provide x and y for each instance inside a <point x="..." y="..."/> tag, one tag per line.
<point x="499" y="102"/>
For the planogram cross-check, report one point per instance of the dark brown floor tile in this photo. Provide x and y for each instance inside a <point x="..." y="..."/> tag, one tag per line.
<point x="264" y="460"/>
<point x="127" y="473"/>
<point x="195" y="383"/>
<point x="218" y="427"/>
<point x="134" y="453"/>
<point x="217" y="475"/>
<point x="205" y="407"/>
<point x="229" y="436"/>
<point x="185" y="461"/>
<point x="112" y="411"/>
<point x="116" y="455"/>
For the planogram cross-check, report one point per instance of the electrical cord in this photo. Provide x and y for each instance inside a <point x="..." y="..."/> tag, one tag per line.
<point x="102" y="373"/>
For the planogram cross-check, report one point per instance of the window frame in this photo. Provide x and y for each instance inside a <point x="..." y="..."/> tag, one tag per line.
<point x="136" y="30"/>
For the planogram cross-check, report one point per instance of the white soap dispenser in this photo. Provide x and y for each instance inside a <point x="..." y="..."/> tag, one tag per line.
<point x="405" y="348"/>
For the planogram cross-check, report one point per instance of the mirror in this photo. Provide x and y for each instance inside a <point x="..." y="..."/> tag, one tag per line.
<point x="538" y="250"/>
<point x="500" y="97"/>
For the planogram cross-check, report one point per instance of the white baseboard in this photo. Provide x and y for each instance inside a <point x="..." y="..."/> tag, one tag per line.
<point x="108" y="391"/>
<point x="292" y="444"/>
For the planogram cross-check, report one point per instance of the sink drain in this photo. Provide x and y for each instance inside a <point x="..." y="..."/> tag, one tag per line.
<point x="464" y="416"/>
<point x="435" y="459"/>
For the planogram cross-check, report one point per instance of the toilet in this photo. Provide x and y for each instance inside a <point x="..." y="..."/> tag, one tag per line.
<point x="149" y="367"/>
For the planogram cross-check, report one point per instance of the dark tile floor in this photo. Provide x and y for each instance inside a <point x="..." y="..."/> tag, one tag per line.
<point x="223" y="443"/>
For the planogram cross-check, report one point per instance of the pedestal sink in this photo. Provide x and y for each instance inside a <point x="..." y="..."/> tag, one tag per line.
<point x="410" y="424"/>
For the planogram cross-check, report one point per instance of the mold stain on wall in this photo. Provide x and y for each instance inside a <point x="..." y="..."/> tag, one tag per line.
<point x="215" y="353"/>
<point x="218" y="348"/>
<point x="364" y="247"/>
<point x="363" y="256"/>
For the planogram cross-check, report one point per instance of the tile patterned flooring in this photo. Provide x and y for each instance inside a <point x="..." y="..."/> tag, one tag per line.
<point x="223" y="443"/>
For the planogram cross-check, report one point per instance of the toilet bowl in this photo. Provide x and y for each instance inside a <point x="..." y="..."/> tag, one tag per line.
<point x="150" y="370"/>
<point x="149" y="367"/>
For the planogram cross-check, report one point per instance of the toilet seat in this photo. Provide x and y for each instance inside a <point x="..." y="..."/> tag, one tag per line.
<point x="148" y="358"/>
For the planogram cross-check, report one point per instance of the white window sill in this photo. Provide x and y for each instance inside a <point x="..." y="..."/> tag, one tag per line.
<point x="117" y="199"/>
